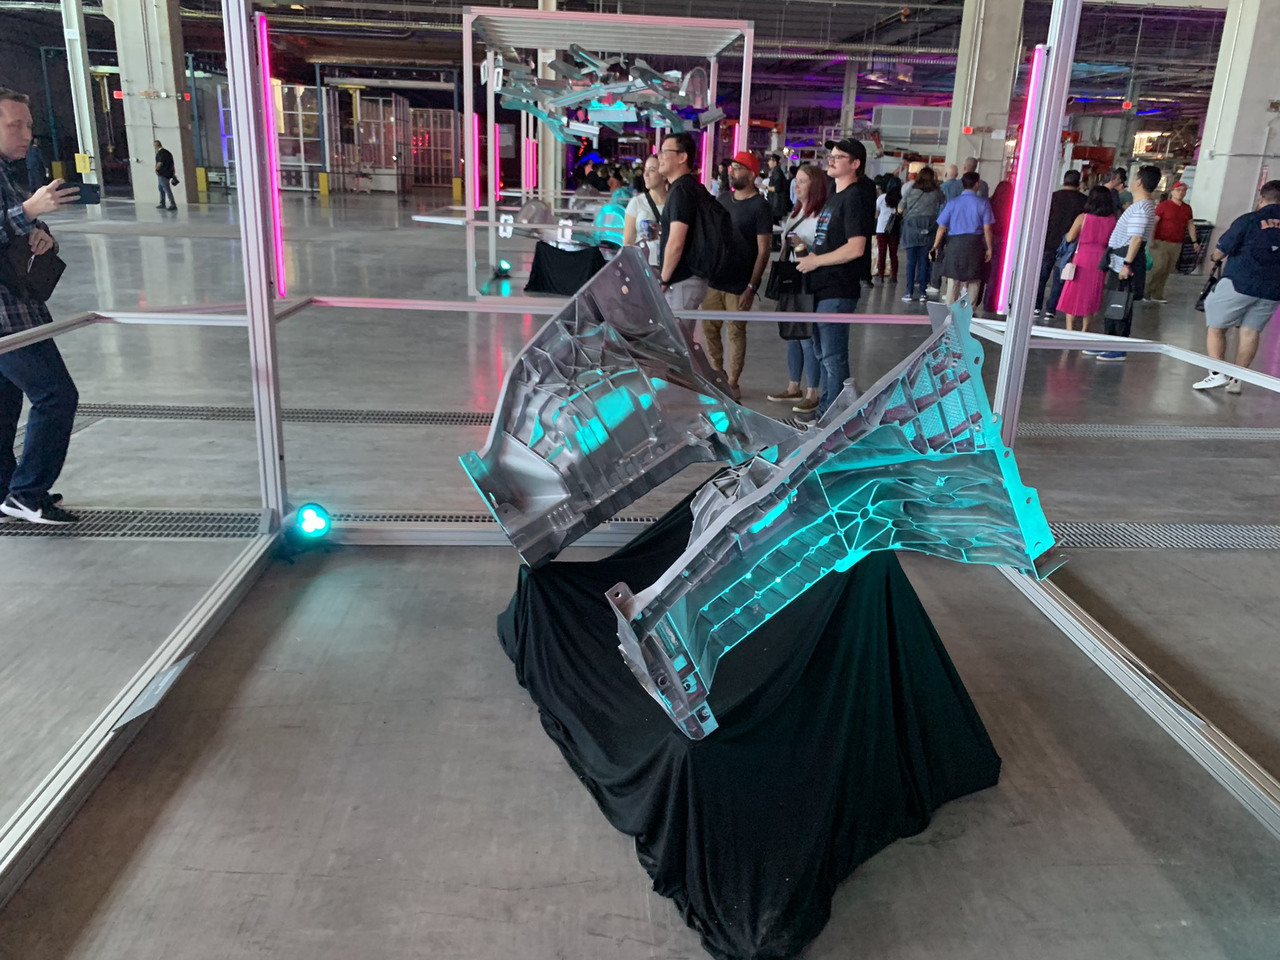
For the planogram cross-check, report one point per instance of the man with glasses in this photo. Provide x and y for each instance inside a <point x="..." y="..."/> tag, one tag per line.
<point x="835" y="267"/>
<point x="685" y="198"/>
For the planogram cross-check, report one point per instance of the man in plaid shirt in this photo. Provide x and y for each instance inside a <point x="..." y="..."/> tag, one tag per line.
<point x="37" y="369"/>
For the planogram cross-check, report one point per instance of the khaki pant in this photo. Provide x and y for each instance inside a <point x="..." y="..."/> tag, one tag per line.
<point x="719" y="300"/>
<point x="1164" y="260"/>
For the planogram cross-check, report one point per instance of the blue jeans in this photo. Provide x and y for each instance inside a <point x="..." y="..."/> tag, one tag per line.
<point x="37" y="371"/>
<point x="917" y="270"/>
<point x="166" y="190"/>
<point x="831" y="346"/>
<point x="802" y="362"/>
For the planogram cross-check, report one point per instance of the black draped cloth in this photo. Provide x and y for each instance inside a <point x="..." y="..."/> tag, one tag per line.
<point x="564" y="272"/>
<point x="843" y="726"/>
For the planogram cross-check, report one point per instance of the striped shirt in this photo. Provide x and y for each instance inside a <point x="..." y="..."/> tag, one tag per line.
<point x="1137" y="221"/>
<point x="16" y="314"/>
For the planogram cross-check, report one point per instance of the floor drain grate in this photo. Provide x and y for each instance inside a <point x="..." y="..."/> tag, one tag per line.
<point x="232" y="524"/>
<point x="145" y="525"/>
<point x="427" y="418"/>
<point x="1144" y="431"/>
<point x="1167" y="536"/>
<point x="448" y="518"/>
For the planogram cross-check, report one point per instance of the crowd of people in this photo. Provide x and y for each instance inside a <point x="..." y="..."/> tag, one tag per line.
<point x="842" y="229"/>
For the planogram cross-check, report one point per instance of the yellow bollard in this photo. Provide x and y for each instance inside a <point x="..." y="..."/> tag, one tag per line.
<point x="202" y="180"/>
<point x="457" y="190"/>
<point x="322" y="183"/>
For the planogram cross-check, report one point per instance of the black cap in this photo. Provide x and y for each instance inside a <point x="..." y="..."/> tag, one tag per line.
<point x="852" y="147"/>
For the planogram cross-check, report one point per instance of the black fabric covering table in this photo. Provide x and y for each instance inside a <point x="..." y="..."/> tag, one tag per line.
<point x="843" y="726"/>
<point x="564" y="272"/>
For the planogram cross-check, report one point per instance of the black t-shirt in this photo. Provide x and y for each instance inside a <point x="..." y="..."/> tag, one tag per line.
<point x="682" y="204"/>
<point x="1064" y="207"/>
<point x="751" y="218"/>
<point x="164" y="159"/>
<point x="846" y="215"/>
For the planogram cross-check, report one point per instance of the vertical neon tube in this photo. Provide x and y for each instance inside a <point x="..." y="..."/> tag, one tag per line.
<point x="497" y="163"/>
<point x="273" y="155"/>
<point x="475" y="153"/>
<point x="1034" y="82"/>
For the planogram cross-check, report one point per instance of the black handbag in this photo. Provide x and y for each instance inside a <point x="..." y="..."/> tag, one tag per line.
<point x="1117" y="297"/>
<point x="30" y="276"/>
<point x="1209" y="285"/>
<point x="784" y="278"/>
<point x="894" y="226"/>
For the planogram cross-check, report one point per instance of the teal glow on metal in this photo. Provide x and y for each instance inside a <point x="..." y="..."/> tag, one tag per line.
<point x="915" y="463"/>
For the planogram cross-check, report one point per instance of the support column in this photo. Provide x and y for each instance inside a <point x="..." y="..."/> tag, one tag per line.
<point x="81" y="85"/>
<point x="849" y="96"/>
<point x="153" y="78"/>
<point x="779" y="141"/>
<point x="550" y="149"/>
<point x="1240" y="142"/>
<point x="990" y="49"/>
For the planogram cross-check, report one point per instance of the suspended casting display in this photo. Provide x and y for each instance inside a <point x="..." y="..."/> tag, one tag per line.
<point x="593" y="93"/>
<point x="612" y="397"/>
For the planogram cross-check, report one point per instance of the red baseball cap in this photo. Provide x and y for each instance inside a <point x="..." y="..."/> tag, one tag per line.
<point x="1177" y="185"/>
<point x="747" y="160"/>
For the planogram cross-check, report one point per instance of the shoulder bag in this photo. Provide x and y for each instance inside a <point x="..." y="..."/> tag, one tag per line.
<point x="30" y="276"/>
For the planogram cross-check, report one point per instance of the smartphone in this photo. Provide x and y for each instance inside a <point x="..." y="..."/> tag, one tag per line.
<point x="89" y="193"/>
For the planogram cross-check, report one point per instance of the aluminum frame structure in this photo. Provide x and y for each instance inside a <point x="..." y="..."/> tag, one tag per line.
<point x="503" y="28"/>
<point x="23" y="840"/>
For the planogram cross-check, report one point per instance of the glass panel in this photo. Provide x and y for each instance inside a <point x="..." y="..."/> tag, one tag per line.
<point x="307" y="100"/>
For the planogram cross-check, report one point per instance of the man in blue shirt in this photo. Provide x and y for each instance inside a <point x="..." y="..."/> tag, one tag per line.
<point x="967" y="220"/>
<point x="1248" y="294"/>
<point x="951" y="187"/>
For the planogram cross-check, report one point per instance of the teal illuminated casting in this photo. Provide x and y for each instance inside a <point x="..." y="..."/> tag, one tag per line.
<point x="915" y="463"/>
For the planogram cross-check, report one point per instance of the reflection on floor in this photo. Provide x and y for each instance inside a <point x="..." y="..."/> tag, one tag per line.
<point x="350" y="769"/>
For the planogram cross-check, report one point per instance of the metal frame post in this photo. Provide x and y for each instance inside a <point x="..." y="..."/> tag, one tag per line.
<point x="468" y="144"/>
<point x="81" y="88"/>
<point x="709" y="135"/>
<point x="197" y="137"/>
<point x="744" y="111"/>
<point x="1041" y="142"/>
<point x="247" y="114"/>
<point x="491" y="162"/>
<point x="48" y="103"/>
<point x="322" y="108"/>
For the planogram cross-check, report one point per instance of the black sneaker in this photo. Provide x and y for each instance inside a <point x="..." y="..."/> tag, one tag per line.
<point x="47" y="512"/>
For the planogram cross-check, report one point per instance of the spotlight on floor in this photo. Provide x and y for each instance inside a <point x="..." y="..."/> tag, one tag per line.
<point x="503" y="269"/>
<point x="304" y="528"/>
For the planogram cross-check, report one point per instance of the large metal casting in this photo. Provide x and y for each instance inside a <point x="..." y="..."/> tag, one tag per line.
<point x="608" y="400"/>
<point x="612" y="397"/>
<point x="915" y="463"/>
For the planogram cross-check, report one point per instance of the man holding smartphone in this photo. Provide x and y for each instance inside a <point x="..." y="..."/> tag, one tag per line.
<point x="37" y="369"/>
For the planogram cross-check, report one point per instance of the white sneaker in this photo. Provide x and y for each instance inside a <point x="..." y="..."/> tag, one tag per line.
<point x="908" y="299"/>
<point x="1233" y="385"/>
<point x="922" y="298"/>
<point x="1214" y="379"/>
<point x="932" y="291"/>
<point x="1157" y="300"/>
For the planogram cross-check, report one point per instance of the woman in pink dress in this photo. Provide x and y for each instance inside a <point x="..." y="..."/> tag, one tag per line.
<point x="1082" y="294"/>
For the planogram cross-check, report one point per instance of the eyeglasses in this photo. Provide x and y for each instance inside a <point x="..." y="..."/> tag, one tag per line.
<point x="839" y="156"/>
<point x="665" y="150"/>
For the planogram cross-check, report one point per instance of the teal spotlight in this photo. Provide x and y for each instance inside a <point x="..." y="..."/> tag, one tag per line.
<point x="503" y="269"/>
<point x="313" y="520"/>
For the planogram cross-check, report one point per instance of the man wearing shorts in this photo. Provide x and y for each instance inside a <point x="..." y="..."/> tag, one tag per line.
<point x="1249" y="292"/>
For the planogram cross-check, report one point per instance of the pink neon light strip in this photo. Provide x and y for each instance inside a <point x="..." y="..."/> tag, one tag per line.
<point x="475" y="154"/>
<point x="273" y="155"/>
<point x="1034" y="82"/>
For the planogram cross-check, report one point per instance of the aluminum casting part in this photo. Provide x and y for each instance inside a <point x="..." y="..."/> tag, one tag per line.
<point x="915" y="463"/>
<point x="608" y="400"/>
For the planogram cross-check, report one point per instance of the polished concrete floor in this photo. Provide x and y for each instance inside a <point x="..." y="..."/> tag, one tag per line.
<point x="350" y="769"/>
<point x="350" y="762"/>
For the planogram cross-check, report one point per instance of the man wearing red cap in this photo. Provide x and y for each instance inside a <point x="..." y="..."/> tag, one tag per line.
<point x="751" y="242"/>
<point x="1174" y="221"/>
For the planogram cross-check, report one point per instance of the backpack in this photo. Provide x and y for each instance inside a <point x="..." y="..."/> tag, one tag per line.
<point x="715" y="251"/>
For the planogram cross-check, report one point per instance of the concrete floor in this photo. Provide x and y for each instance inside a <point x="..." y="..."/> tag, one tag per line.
<point x="350" y="767"/>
